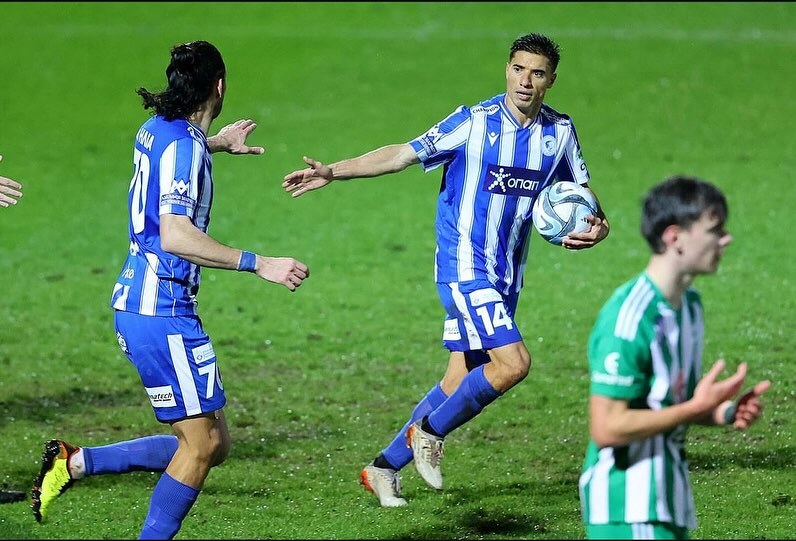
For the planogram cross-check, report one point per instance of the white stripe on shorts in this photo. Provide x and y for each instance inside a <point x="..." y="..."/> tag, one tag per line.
<point x="469" y="327"/>
<point x="179" y="359"/>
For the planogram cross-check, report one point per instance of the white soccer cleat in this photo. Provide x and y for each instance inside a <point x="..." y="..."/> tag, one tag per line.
<point x="428" y="451"/>
<point x="385" y="483"/>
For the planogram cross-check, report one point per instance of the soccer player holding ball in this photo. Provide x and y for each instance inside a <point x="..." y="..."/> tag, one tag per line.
<point x="496" y="156"/>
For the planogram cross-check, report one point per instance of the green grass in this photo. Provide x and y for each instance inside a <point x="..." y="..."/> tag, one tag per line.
<point x="319" y="380"/>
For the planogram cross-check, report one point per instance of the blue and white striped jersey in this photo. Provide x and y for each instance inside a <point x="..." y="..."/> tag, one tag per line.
<point x="493" y="170"/>
<point x="172" y="175"/>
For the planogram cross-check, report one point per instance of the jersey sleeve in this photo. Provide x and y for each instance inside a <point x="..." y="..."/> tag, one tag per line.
<point x="572" y="167"/>
<point x="437" y="146"/>
<point x="180" y="164"/>
<point x="618" y="367"/>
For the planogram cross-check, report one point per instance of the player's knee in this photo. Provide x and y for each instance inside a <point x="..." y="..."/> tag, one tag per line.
<point x="211" y="451"/>
<point x="221" y="448"/>
<point x="517" y="373"/>
<point x="518" y="367"/>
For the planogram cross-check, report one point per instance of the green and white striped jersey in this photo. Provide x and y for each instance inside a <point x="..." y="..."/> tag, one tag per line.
<point x="644" y="351"/>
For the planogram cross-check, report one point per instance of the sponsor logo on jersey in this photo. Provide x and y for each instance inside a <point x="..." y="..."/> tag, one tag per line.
<point x="484" y="296"/>
<point x="178" y="186"/>
<point x="203" y="353"/>
<point x="505" y="180"/>
<point x="161" y="397"/>
<point x="611" y="377"/>
<point x="611" y="363"/>
<point x="176" y="199"/>
<point x="451" y="331"/>
<point x="492" y="109"/>
<point x="492" y="137"/>
<point x="428" y="140"/>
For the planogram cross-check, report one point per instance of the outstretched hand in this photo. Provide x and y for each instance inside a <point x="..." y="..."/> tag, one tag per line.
<point x="317" y="175"/>
<point x="10" y="191"/>
<point x="749" y="407"/>
<point x="232" y="138"/>
<point x="282" y="270"/>
<point x="710" y="393"/>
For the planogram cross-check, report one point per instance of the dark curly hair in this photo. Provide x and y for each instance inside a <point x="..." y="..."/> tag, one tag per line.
<point x="193" y="71"/>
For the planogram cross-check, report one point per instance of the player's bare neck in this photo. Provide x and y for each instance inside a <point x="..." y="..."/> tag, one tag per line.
<point x="671" y="283"/>
<point x="202" y="118"/>
<point x="523" y="118"/>
<point x="526" y="118"/>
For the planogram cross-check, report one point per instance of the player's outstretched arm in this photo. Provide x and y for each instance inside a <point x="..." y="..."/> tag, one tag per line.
<point x="180" y="237"/>
<point x="317" y="175"/>
<point x="613" y="423"/>
<point x="384" y="160"/>
<point x="10" y="191"/>
<point x="282" y="270"/>
<point x="232" y="138"/>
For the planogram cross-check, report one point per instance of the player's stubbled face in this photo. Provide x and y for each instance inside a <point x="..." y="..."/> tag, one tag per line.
<point x="528" y="76"/>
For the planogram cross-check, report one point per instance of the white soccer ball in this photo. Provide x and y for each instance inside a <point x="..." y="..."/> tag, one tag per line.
<point x="560" y="209"/>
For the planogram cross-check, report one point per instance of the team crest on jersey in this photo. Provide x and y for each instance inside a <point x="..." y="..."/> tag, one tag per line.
<point x="506" y="180"/>
<point x="678" y="387"/>
<point x="548" y="145"/>
<point x="193" y="133"/>
<point x="122" y="342"/>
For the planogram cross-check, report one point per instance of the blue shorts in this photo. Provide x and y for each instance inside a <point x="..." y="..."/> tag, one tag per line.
<point x="176" y="362"/>
<point x="479" y="316"/>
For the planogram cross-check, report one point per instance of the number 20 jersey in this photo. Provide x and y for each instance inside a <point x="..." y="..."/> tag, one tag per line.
<point x="172" y="174"/>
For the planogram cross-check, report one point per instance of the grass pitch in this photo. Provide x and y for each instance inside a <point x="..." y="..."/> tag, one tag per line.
<point x="319" y="380"/>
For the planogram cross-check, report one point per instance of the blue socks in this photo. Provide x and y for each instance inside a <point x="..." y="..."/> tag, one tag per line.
<point x="151" y="453"/>
<point x="474" y="394"/>
<point x="169" y="505"/>
<point x="397" y="453"/>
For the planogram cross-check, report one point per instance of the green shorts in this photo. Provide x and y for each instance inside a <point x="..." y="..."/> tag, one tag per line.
<point x="647" y="530"/>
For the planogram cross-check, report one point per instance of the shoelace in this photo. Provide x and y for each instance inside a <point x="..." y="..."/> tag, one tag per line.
<point x="394" y="480"/>
<point x="396" y="484"/>
<point x="433" y="450"/>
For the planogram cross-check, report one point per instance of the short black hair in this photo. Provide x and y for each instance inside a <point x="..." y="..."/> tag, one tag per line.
<point x="537" y="44"/>
<point x="678" y="200"/>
